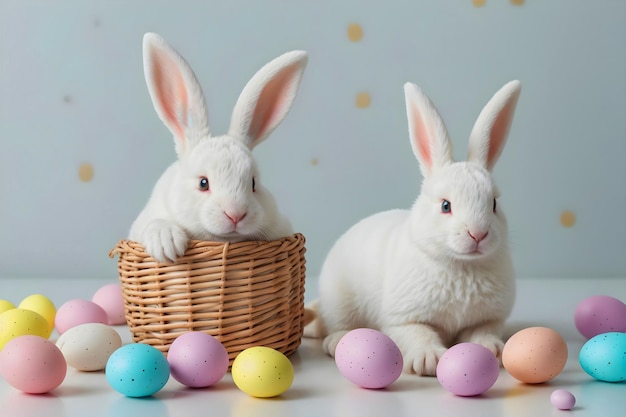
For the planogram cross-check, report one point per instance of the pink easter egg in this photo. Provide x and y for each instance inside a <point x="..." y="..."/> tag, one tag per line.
<point x="32" y="364"/>
<point x="368" y="358"/>
<point x="468" y="369"/>
<point x="197" y="359"/>
<point x="78" y="311"/>
<point x="110" y="298"/>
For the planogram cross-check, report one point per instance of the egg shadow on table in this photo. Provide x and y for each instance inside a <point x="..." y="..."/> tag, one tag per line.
<point x="247" y="406"/>
<point x="409" y="383"/>
<point x="180" y="391"/>
<point x="569" y="377"/>
<point x="20" y="404"/>
<point x="293" y="394"/>
<point x="144" y="406"/>
<point x="518" y="390"/>
<point x="68" y="390"/>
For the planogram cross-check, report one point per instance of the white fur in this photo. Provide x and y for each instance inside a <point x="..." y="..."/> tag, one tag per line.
<point x="178" y="210"/>
<point x="418" y="275"/>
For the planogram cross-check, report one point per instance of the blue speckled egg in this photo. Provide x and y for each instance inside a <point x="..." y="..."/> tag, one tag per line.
<point x="604" y="357"/>
<point x="137" y="370"/>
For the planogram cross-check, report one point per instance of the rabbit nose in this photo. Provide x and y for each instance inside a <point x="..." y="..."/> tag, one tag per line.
<point x="235" y="217"/>
<point x="477" y="235"/>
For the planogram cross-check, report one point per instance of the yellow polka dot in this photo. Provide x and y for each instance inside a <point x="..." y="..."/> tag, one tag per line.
<point x="517" y="2"/>
<point x="314" y="161"/>
<point x="85" y="172"/>
<point x="568" y="219"/>
<point x="363" y="100"/>
<point x="355" y="32"/>
<point x="479" y="3"/>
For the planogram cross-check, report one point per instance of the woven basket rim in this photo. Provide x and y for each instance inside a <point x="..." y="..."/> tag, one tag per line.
<point x="194" y="246"/>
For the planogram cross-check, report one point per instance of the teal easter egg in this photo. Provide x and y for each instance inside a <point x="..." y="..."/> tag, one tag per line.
<point x="604" y="357"/>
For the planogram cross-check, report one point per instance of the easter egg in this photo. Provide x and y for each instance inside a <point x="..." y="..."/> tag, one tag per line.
<point x="110" y="298"/>
<point x="137" y="370"/>
<point x="77" y="311"/>
<point x="600" y="314"/>
<point x="197" y="359"/>
<point x="468" y="369"/>
<point x="19" y="322"/>
<point x="87" y="347"/>
<point x="32" y="364"/>
<point x="535" y="355"/>
<point x="6" y="305"/>
<point x="40" y="304"/>
<point x="262" y="372"/>
<point x="604" y="357"/>
<point x="562" y="399"/>
<point x="368" y="358"/>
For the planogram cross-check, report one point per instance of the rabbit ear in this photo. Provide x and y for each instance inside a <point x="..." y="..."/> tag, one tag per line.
<point x="266" y="99"/>
<point x="175" y="92"/>
<point x="429" y="137"/>
<point x="492" y="126"/>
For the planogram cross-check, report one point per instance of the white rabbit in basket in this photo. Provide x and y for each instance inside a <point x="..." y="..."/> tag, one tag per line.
<point x="441" y="272"/>
<point x="214" y="190"/>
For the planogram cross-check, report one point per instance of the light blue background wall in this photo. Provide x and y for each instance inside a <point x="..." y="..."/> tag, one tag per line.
<point x="72" y="92"/>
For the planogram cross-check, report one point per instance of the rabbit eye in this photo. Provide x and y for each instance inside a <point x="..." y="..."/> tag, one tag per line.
<point x="253" y="185"/>
<point x="446" y="206"/>
<point x="203" y="185"/>
<point x="494" y="205"/>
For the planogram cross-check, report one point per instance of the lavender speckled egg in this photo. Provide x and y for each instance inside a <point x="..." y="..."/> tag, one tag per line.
<point x="468" y="369"/>
<point x="600" y="314"/>
<point x="368" y="358"/>
<point x="197" y="359"/>
<point x="562" y="399"/>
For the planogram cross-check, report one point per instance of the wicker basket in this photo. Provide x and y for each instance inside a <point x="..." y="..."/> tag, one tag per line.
<point x="245" y="294"/>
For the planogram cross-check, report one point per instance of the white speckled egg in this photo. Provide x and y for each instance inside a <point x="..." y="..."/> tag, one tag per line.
<point x="87" y="347"/>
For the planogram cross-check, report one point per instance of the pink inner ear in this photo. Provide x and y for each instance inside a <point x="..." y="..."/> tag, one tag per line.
<point x="270" y="107"/>
<point x="498" y="134"/>
<point x="423" y="139"/>
<point x="170" y="91"/>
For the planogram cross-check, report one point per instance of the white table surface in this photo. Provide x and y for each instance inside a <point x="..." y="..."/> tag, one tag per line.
<point x="319" y="389"/>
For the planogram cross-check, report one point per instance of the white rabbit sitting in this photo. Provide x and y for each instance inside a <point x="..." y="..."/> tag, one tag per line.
<point x="214" y="190"/>
<point x="441" y="272"/>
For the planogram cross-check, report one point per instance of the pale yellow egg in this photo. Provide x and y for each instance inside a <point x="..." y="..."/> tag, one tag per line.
<point x="262" y="372"/>
<point x="6" y="305"/>
<point x="21" y="322"/>
<point x="40" y="304"/>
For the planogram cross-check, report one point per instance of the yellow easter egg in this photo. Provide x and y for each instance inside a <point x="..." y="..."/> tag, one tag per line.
<point x="21" y="322"/>
<point x="262" y="372"/>
<point x="42" y="305"/>
<point x="5" y="306"/>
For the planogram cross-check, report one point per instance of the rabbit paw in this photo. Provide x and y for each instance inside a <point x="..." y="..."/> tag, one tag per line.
<point x="165" y="241"/>
<point x="423" y="360"/>
<point x="491" y="342"/>
<point x="331" y="341"/>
